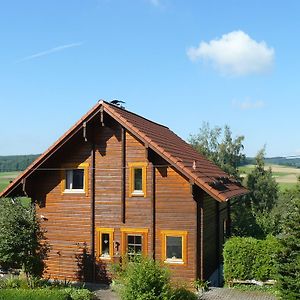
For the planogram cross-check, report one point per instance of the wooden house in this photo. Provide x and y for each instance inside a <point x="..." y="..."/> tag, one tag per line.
<point x="117" y="183"/>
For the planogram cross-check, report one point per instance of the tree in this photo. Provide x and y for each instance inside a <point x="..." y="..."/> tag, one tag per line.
<point x="218" y="145"/>
<point x="263" y="187"/>
<point x="251" y="217"/>
<point x="20" y="237"/>
<point x="289" y="257"/>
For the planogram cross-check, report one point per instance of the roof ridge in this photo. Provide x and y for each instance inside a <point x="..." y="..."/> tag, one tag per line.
<point x="135" y="114"/>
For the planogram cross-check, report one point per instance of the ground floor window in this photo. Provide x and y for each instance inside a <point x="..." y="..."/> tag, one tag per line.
<point x="105" y="237"/>
<point x="174" y="246"/>
<point x="134" y="241"/>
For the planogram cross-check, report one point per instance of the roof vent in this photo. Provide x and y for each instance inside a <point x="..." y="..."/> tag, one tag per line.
<point x="118" y="103"/>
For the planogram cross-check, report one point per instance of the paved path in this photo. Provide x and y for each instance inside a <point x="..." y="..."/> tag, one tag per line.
<point x="233" y="294"/>
<point x="103" y="292"/>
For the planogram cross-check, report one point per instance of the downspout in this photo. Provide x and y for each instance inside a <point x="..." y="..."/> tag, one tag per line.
<point x="93" y="166"/>
<point x="228" y="229"/>
<point x="218" y="240"/>
<point x="153" y="196"/>
<point x="198" y="194"/>
<point x="123" y="177"/>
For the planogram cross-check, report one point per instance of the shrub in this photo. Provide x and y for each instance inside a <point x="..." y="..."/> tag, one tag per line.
<point x="80" y="294"/>
<point x="289" y="256"/>
<point x="144" y="279"/>
<point x="20" y="237"/>
<point x="45" y="294"/>
<point x="182" y="293"/>
<point x="249" y="258"/>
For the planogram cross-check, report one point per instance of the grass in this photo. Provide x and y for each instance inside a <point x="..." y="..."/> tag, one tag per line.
<point x="270" y="289"/>
<point x="6" y="177"/>
<point x="285" y="176"/>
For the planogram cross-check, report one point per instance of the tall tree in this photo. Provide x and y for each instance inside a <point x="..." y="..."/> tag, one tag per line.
<point x="252" y="215"/>
<point x="263" y="187"/>
<point x="289" y="256"/>
<point x="218" y="145"/>
<point x="20" y="237"/>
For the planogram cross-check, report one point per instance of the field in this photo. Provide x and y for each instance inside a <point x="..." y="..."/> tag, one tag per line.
<point x="286" y="177"/>
<point x="6" y="177"/>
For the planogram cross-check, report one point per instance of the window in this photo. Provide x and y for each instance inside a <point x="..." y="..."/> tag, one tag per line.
<point x="134" y="241"/>
<point x="137" y="179"/>
<point x="174" y="246"/>
<point x="105" y="243"/>
<point x="75" y="179"/>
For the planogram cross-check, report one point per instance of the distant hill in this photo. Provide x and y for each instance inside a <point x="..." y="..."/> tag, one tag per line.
<point x="16" y="162"/>
<point x="283" y="161"/>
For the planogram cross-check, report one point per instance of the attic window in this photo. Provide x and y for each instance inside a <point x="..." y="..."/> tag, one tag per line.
<point x="137" y="179"/>
<point x="75" y="179"/>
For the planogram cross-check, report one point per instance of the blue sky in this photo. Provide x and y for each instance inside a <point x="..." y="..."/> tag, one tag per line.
<point x="176" y="62"/>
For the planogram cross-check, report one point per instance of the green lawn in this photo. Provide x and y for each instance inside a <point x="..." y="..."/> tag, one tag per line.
<point x="6" y="177"/>
<point x="285" y="176"/>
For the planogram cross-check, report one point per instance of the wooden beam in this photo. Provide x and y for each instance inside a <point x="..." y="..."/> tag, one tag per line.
<point x="102" y="116"/>
<point x="123" y="177"/>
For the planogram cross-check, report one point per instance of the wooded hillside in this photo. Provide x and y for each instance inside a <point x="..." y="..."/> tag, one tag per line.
<point x="16" y="162"/>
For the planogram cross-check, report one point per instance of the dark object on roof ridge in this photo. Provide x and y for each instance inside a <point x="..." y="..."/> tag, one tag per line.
<point x="132" y="113"/>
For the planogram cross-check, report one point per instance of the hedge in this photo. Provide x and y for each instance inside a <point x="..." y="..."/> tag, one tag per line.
<point x="247" y="258"/>
<point x="46" y="294"/>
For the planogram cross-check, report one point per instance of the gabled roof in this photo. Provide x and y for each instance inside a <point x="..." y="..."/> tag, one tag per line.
<point x="163" y="141"/>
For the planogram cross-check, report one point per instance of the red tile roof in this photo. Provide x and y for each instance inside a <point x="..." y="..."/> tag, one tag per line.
<point x="163" y="141"/>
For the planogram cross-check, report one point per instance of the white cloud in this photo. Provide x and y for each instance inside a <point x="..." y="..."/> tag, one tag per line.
<point x="248" y="104"/>
<point x="235" y="53"/>
<point x="50" y="51"/>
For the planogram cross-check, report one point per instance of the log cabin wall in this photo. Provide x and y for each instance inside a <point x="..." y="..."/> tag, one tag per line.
<point x="215" y="217"/>
<point x="68" y="223"/>
<point x="65" y="218"/>
<point x="176" y="210"/>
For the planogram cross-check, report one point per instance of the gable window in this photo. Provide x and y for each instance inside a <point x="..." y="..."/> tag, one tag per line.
<point x="134" y="241"/>
<point x="105" y="243"/>
<point x="137" y="179"/>
<point x="174" y="246"/>
<point x="75" y="178"/>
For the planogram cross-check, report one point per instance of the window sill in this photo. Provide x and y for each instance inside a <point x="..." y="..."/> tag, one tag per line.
<point x="137" y="194"/>
<point x="174" y="261"/>
<point x="74" y="192"/>
<point x="107" y="258"/>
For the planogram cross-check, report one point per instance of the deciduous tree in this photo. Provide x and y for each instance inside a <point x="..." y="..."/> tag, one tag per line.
<point x="218" y="145"/>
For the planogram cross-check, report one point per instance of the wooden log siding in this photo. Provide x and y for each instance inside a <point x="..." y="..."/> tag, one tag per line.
<point x="213" y="234"/>
<point x="176" y="210"/>
<point x="67" y="224"/>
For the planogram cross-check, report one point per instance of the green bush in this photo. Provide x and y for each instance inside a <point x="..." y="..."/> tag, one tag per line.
<point x="289" y="256"/>
<point x="144" y="279"/>
<point x="182" y="293"/>
<point x="45" y="294"/>
<point x="80" y="294"/>
<point x="37" y="294"/>
<point x="249" y="258"/>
